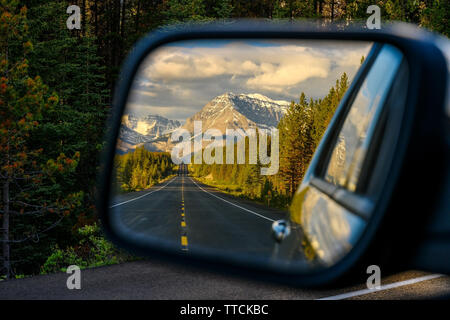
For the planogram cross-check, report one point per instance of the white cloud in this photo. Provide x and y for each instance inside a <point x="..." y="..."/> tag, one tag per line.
<point x="289" y="73"/>
<point x="270" y="68"/>
<point x="186" y="77"/>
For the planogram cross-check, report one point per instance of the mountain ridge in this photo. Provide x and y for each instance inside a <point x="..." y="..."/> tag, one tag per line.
<point x="242" y="111"/>
<point x="226" y="111"/>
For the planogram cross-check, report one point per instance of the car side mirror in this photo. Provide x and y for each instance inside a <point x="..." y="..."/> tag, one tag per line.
<point x="218" y="155"/>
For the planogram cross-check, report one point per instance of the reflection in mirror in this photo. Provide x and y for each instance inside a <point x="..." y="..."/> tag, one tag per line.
<point x="324" y="231"/>
<point x="216" y="138"/>
<point x="357" y="131"/>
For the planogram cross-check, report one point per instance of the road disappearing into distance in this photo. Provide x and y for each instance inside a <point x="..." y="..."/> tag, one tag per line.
<point x="186" y="211"/>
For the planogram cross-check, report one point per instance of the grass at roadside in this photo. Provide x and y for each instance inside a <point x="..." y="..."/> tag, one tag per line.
<point x="237" y="191"/>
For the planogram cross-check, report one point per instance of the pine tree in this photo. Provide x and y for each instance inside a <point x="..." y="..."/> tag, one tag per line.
<point x="27" y="180"/>
<point x="223" y="9"/>
<point x="140" y="169"/>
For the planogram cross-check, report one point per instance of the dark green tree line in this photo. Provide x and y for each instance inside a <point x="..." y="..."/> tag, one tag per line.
<point x="141" y="169"/>
<point x="36" y="192"/>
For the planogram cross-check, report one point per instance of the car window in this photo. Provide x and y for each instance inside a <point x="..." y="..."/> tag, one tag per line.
<point x="355" y="136"/>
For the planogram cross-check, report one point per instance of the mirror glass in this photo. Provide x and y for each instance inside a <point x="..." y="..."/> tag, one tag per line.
<point x="216" y="137"/>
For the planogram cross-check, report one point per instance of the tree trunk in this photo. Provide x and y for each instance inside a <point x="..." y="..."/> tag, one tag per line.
<point x="96" y="19"/>
<point x="84" y="18"/>
<point x="332" y="10"/>
<point x="5" y="228"/>
<point x="5" y="222"/>
<point x="138" y="12"/>
<point x="291" y="9"/>
<point x="122" y="23"/>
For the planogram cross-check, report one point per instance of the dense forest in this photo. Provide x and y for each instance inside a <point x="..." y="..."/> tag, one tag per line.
<point x="140" y="169"/>
<point x="56" y="88"/>
<point x="300" y="131"/>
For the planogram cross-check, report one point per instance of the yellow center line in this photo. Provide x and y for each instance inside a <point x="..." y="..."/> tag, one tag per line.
<point x="184" y="239"/>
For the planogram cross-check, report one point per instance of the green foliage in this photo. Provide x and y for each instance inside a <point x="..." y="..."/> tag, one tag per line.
<point x="92" y="250"/>
<point x="185" y="10"/>
<point x="436" y="16"/>
<point x="34" y="200"/>
<point x="431" y="14"/>
<point x="141" y="169"/>
<point x="224" y="9"/>
<point x="74" y="73"/>
<point x="66" y="124"/>
<point x="301" y="129"/>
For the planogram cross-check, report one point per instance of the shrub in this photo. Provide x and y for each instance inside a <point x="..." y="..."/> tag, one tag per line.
<point x="92" y="250"/>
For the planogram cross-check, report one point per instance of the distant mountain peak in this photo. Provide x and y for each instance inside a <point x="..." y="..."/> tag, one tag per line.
<point x="141" y="129"/>
<point x="256" y="96"/>
<point x="226" y="111"/>
<point x="233" y="111"/>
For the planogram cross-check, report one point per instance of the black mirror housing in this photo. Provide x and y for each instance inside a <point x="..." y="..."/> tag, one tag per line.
<point x="411" y="220"/>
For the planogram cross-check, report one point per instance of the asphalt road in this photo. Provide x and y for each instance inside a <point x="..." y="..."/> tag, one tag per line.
<point x="187" y="213"/>
<point x="158" y="280"/>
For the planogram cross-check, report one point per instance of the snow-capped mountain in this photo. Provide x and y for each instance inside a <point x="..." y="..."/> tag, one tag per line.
<point x="227" y="111"/>
<point x="151" y="126"/>
<point x="135" y="130"/>
<point x="233" y="111"/>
